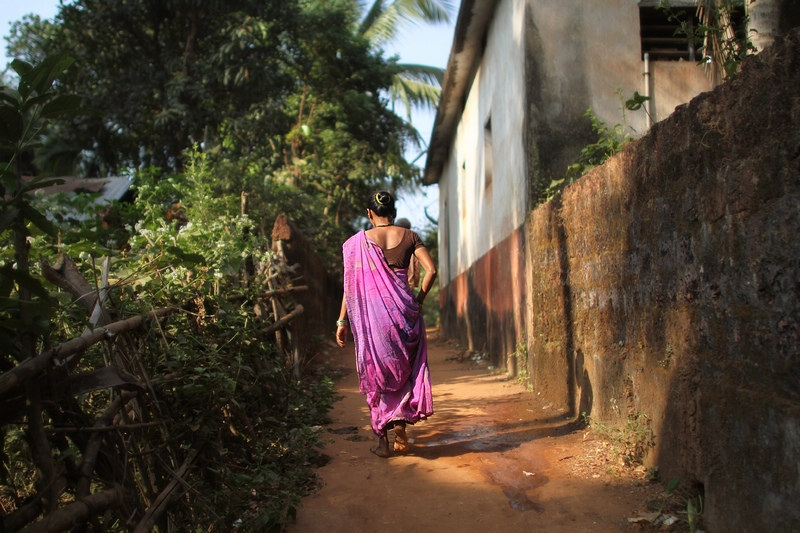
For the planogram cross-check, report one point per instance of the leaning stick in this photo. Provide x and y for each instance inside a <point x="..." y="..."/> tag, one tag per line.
<point x="96" y="441"/>
<point x="298" y="310"/>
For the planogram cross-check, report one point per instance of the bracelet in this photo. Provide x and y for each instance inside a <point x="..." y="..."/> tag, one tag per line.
<point x="344" y="322"/>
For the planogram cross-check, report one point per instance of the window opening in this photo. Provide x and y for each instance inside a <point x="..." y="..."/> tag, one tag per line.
<point x="488" y="158"/>
<point x="662" y="38"/>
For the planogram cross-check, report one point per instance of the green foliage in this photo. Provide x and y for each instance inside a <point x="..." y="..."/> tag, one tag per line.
<point x="223" y="389"/>
<point x="610" y="141"/>
<point x="383" y="20"/>
<point x="25" y="305"/>
<point x="17" y="470"/>
<point x="166" y="74"/>
<point x="235" y="399"/>
<point x="414" y="85"/>
<point x="521" y="362"/>
<point x="630" y="441"/>
<point x="694" y="510"/>
<point x="27" y="39"/>
<point x="215" y="385"/>
<point x="678" y="499"/>
<point x="252" y="80"/>
<point x="287" y="99"/>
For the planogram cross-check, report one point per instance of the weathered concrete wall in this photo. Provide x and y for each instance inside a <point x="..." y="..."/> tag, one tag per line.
<point x="550" y="335"/>
<point x="667" y="282"/>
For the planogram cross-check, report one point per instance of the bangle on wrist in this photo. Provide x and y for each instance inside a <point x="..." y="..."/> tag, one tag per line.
<point x="344" y="322"/>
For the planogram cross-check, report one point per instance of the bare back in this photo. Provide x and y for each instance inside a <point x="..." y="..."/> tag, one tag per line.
<point x="386" y="237"/>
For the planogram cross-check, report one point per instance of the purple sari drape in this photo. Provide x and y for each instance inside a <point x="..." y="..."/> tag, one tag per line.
<point x="389" y="334"/>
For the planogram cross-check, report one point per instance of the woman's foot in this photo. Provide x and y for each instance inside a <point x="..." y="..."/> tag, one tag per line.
<point x="382" y="449"/>
<point x="400" y="438"/>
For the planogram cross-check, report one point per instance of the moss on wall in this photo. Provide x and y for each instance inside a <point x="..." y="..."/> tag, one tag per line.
<point x="665" y="282"/>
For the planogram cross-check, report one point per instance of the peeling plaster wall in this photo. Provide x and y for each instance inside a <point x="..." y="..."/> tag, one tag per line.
<point x="667" y="282"/>
<point x="483" y="197"/>
<point x="483" y="208"/>
<point x="487" y="302"/>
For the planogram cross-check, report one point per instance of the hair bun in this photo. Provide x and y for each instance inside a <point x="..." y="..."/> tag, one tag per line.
<point x="383" y="198"/>
<point x="382" y="204"/>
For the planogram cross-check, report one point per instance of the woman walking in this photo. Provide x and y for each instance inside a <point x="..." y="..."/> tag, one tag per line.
<point x="385" y="318"/>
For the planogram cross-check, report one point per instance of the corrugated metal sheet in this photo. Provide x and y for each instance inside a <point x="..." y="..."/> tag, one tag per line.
<point x="109" y="189"/>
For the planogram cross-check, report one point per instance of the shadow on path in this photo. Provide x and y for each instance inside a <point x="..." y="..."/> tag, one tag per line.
<point x="491" y="458"/>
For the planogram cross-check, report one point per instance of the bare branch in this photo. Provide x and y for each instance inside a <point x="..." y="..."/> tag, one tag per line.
<point x="65" y="274"/>
<point x="76" y="512"/>
<point x="31" y="367"/>
<point x="121" y="428"/>
<point x="161" y="503"/>
<point x="95" y="442"/>
<point x="40" y="446"/>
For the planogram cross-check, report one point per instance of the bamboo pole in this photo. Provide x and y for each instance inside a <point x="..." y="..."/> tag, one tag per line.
<point x="282" y="322"/>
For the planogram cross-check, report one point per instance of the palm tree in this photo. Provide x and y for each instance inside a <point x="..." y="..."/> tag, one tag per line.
<point x="413" y="85"/>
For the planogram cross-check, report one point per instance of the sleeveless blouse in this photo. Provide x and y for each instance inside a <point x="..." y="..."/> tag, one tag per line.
<point x="400" y="256"/>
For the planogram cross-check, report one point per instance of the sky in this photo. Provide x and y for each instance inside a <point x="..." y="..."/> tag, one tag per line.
<point x="428" y="45"/>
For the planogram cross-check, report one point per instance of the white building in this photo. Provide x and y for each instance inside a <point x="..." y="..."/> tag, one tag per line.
<point x="519" y="80"/>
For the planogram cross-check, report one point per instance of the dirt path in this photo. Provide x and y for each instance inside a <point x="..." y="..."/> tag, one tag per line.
<point x="490" y="459"/>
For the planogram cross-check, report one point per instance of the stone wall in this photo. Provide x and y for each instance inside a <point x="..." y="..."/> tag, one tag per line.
<point x="322" y="301"/>
<point x="667" y="283"/>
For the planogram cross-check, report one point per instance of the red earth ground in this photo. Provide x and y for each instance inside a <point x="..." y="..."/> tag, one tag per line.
<point x="492" y="458"/>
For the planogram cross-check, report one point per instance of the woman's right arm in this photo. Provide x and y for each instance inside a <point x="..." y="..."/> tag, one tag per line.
<point x="430" y="273"/>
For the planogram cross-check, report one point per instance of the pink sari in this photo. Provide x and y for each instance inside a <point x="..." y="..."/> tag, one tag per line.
<point x="389" y="334"/>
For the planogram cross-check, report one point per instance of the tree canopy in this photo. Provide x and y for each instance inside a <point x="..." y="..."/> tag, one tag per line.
<point x="277" y="92"/>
